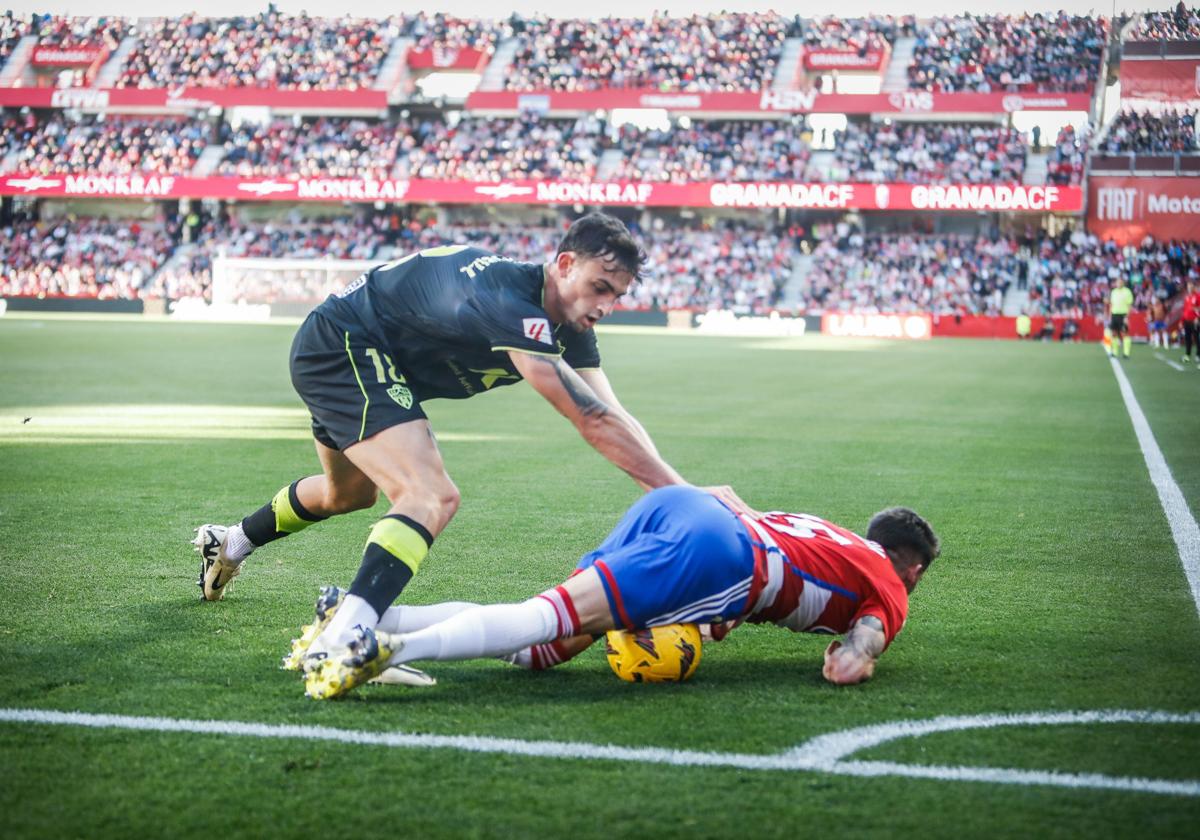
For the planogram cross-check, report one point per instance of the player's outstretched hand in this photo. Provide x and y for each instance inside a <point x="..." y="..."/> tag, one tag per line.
<point x="732" y="500"/>
<point x="717" y="632"/>
<point x="845" y="665"/>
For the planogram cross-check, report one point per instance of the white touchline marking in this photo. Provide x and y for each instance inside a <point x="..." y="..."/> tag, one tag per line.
<point x="1179" y="516"/>
<point x="823" y="754"/>
<point x="1163" y="358"/>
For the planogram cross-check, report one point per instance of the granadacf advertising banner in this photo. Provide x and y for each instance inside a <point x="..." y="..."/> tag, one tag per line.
<point x="1162" y="79"/>
<point x="441" y="58"/>
<point x="68" y="57"/>
<point x="973" y="197"/>
<point x="843" y="59"/>
<point x="783" y="101"/>
<point x="1128" y="209"/>
<point x="192" y="98"/>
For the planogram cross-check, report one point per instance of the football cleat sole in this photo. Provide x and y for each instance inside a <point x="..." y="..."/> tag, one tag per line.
<point x="343" y="670"/>
<point x="327" y="603"/>
<point x="216" y="572"/>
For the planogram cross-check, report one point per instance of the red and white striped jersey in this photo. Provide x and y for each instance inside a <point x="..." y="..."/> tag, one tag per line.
<point x="812" y="576"/>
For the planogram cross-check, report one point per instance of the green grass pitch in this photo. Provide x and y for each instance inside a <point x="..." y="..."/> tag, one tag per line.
<point x="1059" y="589"/>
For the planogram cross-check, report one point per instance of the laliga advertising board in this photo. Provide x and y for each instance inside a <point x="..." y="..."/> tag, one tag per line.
<point x="1127" y="209"/>
<point x="916" y="327"/>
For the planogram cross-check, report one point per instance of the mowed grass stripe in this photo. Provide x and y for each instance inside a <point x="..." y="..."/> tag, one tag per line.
<point x="1060" y="587"/>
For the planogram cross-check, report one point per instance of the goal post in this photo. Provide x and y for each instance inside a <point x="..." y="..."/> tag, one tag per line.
<point x="289" y="286"/>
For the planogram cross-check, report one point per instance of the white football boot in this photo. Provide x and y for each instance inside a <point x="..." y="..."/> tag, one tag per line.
<point x="216" y="569"/>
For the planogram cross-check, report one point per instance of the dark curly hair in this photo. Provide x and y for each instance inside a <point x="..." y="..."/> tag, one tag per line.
<point x="598" y="236"/>
<point x="905" y="536"/>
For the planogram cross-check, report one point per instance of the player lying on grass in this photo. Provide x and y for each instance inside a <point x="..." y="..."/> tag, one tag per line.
<point x="677" y="556"/>
<point x="445" y="322"/>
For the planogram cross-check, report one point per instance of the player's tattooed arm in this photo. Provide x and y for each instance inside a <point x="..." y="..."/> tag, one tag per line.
<point x="609" y="430"/>
<point x="581" y="394"/>
<point x="853" y="660"/>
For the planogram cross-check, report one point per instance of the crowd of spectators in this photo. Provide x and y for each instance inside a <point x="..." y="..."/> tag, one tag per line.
<point x="734" y="267"/>
<point x="441" y="31"/>
<point x="329" y="147"/>
<point x="1065" y="161"/>
<point x="1179" y="24"/>
<point x="750" y="150"/>
<point x="1163" y="133"/>
<point x="481" y="149"/>
<point x="72" y="32"/>
<point x="1073" y="273"/>
<point x="732" y="51"/>
<point x="872" y="34"/>
<point x="266" y="50"/>
<point x="73" y="257"/>
<point x="896" y="273"/>
<point x="1008" y="53"/>
<point x="112" y="145"/>
<point x="12" y="29"/>
<point x="731" y="266"/>
<point x="928" y="153"/>
<point x="340" y="238"/>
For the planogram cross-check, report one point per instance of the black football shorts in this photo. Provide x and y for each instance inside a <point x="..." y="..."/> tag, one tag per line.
<point x="1116" y="323"/>
<point x="349" y="383"/>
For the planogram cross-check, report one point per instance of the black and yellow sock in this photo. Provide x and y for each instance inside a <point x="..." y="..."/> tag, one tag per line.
<point x="284" y="515"/>
<point x="394" y="552"/>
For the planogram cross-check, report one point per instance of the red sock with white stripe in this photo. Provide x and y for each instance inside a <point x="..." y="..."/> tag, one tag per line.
<point x="494" y="630"/>
<point x="540" y="657"/>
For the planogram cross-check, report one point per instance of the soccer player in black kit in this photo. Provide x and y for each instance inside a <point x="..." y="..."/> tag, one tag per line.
<point x="451" y="322"/>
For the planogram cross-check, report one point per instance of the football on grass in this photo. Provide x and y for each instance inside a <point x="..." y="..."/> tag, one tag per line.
<point x="661" y="654"/>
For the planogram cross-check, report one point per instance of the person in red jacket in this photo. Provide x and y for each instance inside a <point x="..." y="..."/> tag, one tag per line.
<point x="1191" y="322"/>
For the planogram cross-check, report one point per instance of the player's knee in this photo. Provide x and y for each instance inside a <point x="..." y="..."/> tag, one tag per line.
<point x="448" y="499"/>
<point x="436" y="499"/>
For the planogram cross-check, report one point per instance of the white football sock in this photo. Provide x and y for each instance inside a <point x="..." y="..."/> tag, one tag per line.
<point x="237" y="544"/>
<point x="492" y="630"/>
<point x="352" y="611"/>
<point x="406" y="619"/>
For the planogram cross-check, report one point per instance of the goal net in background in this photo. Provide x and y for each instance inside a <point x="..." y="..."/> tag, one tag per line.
<point x="288" y="287"/>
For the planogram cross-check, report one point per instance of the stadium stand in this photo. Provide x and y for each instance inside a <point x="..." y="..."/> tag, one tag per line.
<point x="700" y="53"/>
<point x="1179" y="24"/>
<point x="1167" y="132"/>
<point x="862" y="34"/>
<point x="1073" y="274"/>
<point x="929" y="153"/>
<point x="115" y="145"/>
<point x="530" y="146"/>
<point x="1008" y="53"/>
<point x="698" y="260"/>
<point x="749" y="150"/>
<point x="267" y="50"/>
<point x="336" y="238"/>
<point x="69" y="257"/>
<point x="445" y="32"/>
<point x="70" y="32"/>
<point x="328" y="146"/>
<point x="12" y="30"/>
<point x="1066" y="161"/>
<point x="736" y="267"/>
<point x="942" y="275"/>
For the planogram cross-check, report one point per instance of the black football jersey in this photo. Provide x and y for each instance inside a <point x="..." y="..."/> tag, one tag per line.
<point x="448" y="317"/>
